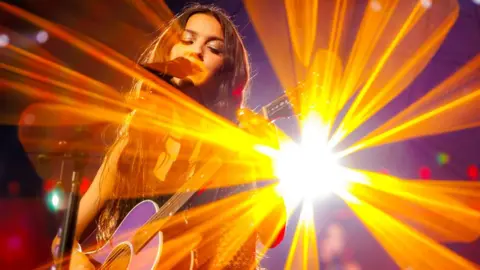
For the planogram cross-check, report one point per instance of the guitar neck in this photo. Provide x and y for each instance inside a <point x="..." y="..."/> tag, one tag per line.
<point x="278" y="108"/>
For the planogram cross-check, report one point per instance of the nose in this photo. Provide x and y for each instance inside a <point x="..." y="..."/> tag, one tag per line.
<point x="196" y="50"/>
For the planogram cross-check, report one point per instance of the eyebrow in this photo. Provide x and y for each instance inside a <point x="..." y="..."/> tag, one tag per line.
<point x="209" y="38"/>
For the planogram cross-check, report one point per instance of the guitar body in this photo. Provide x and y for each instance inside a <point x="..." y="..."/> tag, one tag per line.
<point x="118" y="253"/>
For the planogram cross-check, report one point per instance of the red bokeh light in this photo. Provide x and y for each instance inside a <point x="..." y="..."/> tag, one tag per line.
<point x="472" y="172"/>
<point x="49" y="185"/>
<point x="425" y="173"/>
<point x="84" y="185"/>
<point x="23" y="234"/>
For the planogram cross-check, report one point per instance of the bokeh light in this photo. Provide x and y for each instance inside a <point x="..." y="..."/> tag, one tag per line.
<point x="443" y="158"/>
<point x="54" y="199"/>
<point x="84" y="185"/>
<point x="4" y="40"/>
<point x="426" y="3"/>
<point x="472" y="172"/>
<point x="425" y="173"/>
<point x="41" y="37"/>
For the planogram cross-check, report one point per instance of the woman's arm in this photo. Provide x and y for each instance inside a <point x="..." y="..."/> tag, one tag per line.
<point x="97" y="194"/>
<point x="271" y="230"/>
<point x="100" y="189"/>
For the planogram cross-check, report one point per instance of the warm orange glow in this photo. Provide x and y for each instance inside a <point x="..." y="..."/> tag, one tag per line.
<point x="326" y="55"/>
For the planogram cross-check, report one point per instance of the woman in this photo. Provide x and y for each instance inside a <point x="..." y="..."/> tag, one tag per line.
<point x="209" y="39"/>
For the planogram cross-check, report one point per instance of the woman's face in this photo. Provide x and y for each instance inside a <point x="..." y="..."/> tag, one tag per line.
<point x="202" y="42"/>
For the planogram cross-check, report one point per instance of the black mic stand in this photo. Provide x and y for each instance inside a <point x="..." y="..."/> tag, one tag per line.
<point x="70" y="216"/>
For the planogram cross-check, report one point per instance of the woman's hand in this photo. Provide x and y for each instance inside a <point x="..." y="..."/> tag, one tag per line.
<point x="80" y="261"/>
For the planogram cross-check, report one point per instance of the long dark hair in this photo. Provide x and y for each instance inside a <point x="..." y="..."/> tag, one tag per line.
<point x="134" y="164"/>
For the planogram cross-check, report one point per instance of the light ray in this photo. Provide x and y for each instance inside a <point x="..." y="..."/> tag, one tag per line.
<point x="394" y="66"/>
<point x="451" y="106"/>
<point x="303" y="253"/>
<point x="396" y="237"/>
<point x="113" y="59"/>
<point x="300" y="13"/>
<point x="418" y="205"/>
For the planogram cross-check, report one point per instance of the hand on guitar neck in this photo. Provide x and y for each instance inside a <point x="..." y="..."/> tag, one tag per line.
<point x="78" y="260"/>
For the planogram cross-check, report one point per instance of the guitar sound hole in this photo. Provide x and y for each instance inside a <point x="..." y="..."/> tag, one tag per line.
<point x="119" y="258"/>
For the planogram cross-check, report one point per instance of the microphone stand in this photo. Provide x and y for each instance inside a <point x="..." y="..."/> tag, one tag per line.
<point x="70" y="216"/>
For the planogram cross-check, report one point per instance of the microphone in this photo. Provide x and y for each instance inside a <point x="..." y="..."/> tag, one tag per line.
<point x="180" y="68"/>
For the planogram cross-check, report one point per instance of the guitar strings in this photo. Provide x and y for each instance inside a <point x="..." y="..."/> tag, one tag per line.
<point x="111" y="259"/>
<point x="173" y="200"/>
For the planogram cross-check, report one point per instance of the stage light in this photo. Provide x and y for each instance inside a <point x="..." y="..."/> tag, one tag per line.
<point x="41" y="37"/>
<point x="55" y="199"/>
<point x="4" y="40"/>
<point x="307" y="170"/>
<point x="476" y="2"/>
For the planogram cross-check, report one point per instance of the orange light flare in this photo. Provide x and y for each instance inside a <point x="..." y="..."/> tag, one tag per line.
<point x="113" y="59"/>
<point x="309" y="169"/>
<point x="213" y="128"/>
<point x="213" y="222"/>
<point x="405" y="43"/>
<point x="251" y="211"/>
<point x="303" y="253"/>
<point x="443" y="211"/>
<point x="156" y="12"/>
<point x="25" y="41"/>
<point x="45" y="67"/>
<point x="154" y="114"/>
<point x="393" y="43"/>
<point x="450" y="106"/>
<point x="396" y="238"/>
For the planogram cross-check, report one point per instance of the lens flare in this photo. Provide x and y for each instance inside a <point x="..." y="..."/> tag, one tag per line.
<point x="310" y="169"/>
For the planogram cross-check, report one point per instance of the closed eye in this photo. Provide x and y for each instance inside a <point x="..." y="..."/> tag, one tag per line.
<point x="215" y="51"/>
<point x="187" y="41"/>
